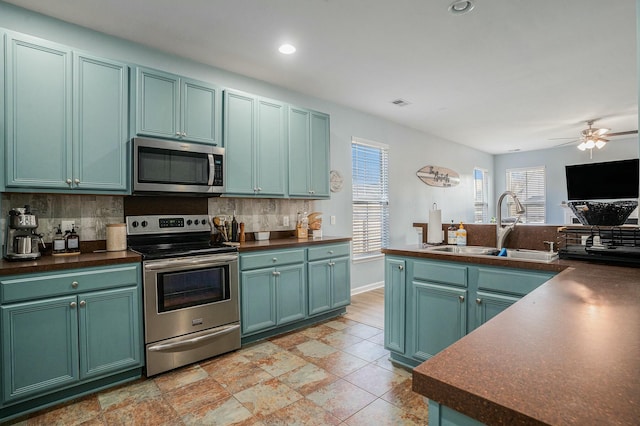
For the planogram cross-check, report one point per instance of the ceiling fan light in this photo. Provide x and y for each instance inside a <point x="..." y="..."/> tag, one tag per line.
<point x="600" y="143"/>
<point x="589" y="144"/>
<point x="582" y="146"/>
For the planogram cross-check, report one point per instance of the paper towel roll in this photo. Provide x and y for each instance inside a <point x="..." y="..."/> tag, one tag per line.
<point x="434" y="230"/>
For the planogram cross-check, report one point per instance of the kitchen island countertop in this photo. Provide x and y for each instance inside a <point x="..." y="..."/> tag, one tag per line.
<point x="567" y="353"/>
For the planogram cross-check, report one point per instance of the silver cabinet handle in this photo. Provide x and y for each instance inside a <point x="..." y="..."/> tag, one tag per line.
<point x="74" y="284"/>
<point x="401" y="267"/>
<point x="184" y="134"/>
<point x="330" y="251"/>
<point x="83" y="303"/>
<point x="479" y="301"/>
<point x="72" y="305"/>
<point x="259" y="189"/>
<point x="275" y="259"/>
<point x="276" y="273"/>
<point x="461" y="298"/>
<point x="178" y="134"/>
<point x="76" y="181"/>
<point x="68" y="181"/>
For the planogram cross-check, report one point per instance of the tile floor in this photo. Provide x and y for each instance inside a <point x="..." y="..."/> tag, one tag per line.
<point x="334" y="373"/>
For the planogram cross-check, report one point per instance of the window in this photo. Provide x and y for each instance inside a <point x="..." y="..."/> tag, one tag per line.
<point x="480" y="196"/>
<point x="370" y="197"/>
<point x="529" y="185"/>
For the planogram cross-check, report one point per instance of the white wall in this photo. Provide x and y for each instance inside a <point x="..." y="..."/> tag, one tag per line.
<point x="554" y="160"/>
<point x="409" y="149"/>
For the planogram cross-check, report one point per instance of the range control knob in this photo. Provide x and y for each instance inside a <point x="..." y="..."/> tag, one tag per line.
<point x="189" y="222"/>
<point x="144" y="223"/>
<point x="197" y="222"/>
<point x="135" y="224"/>
<point x="204" y="221"/>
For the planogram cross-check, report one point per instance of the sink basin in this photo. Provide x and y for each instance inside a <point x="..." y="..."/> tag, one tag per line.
<point x="492" y="251"/>
<point x="520" y="254"/>
<point x="545" y="256"/>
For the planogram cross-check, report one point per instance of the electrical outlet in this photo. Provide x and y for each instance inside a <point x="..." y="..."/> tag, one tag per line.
<point x="285" y="221"/>
<point x="332" y="220"/>
<point x="67" y="225"/>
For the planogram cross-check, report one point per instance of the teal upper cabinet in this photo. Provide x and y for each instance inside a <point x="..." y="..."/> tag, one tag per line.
<point x="175" y="107"/>
<point x="308" y="153"/>
<point x="255" y="145"/>
<point x="66" y="118"/>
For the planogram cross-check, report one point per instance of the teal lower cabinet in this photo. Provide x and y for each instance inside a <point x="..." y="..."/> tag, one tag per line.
<point x="430" y="304"/>
<point x="441" y="415"/>
<point x="281" y="290"/>
<point x="329" y="277"/>
<point x="67" y="334"/>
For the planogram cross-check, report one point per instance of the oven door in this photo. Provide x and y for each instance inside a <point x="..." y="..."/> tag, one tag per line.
<point x="161" y="166"/>
<point x="190" y="294"/>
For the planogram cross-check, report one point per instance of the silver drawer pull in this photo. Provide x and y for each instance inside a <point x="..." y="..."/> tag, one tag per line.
<point x="72" y="305"/>
<point x="461" y="298"/>
<point x="74" y="284"/>
<point x="275" y="259"/>
<point x="330" y="251"/>
<point x="83" y="303"/>
<point x="401" y="267"/>
<point x="180" y="344"/>
<point x="478" y="301"/>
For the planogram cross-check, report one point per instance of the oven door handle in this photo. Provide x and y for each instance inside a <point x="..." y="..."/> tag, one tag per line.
<point x="188" y="262"/>
<point x="212" y="169"/>
<point x="194" y="341"/>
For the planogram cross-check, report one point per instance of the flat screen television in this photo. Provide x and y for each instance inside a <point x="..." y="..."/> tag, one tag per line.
<point x="613" y="180"/>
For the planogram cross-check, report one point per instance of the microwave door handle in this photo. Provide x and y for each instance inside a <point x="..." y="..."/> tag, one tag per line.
<point x="212" y="169"/>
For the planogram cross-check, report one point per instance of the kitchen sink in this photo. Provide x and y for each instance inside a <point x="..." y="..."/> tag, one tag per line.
<point x="491" y="251"/>
<point x="545" y="256"/>
<point x="519" y="254"/>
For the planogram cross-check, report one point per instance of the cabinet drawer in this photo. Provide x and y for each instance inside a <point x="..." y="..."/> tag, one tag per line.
<point x="328" y="251"/>
<point x="26" y="287"/>
<point x="447" y="274"/>
<point x="271" y="258"/>
<point x="514" y="282"/>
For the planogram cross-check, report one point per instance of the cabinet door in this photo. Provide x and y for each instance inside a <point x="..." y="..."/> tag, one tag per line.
<point x="291" y="290"/>
<point x="239" y="143"/>
<point x="38" y="111"/>
<point x="340" y="282"/>
<point x="158" y="101"/>
<point x="319" y="287"/>
<point x="200" y="112"/>
<point x="39" y="347"/>
<point x="270" y="150"/>
<point x="258" y="296"/>
<point x="100" y="124"/>
<point x="319" y="159"/>
<point x="488" y="305"/>
<point x="109" y="330"/>
<point x="299" y="152"/>
<point x="394" y="305"/>
<point x="439" y="318"/>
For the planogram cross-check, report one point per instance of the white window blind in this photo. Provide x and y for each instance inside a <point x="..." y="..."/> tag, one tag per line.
<point x="480" y="196"/>
<point x="529" y="185"/>
<point x="370" y="198"/>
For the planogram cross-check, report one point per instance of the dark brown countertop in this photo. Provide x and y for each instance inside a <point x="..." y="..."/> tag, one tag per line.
<point x="567" y="353"/>
<point x="291" y="242"/>
<point x="48" y="263"/>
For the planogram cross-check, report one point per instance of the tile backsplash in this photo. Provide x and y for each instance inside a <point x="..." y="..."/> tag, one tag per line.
<point x="260" y="214"/>
<point x="89" y="212"/>
<point x="92" y="212"/>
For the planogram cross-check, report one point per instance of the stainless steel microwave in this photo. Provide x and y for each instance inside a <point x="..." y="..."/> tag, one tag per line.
<point x="174" y="167"/>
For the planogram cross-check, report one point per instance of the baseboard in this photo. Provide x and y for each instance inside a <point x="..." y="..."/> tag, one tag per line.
<point x="366" y="288"/>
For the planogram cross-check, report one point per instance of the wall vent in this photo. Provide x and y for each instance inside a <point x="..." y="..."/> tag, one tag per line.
<point x="400" y="102"/>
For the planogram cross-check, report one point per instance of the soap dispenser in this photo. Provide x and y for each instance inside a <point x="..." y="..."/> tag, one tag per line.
<point x="461" y="235"/>
<point x="73" y="242"/>
<point x="59" y="242"/>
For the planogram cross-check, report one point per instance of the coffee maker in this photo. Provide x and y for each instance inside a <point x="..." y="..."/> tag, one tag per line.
<point x="21" y="240"/>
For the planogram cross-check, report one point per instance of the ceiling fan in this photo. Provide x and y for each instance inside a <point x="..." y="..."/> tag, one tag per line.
<point x="595" y="137"/>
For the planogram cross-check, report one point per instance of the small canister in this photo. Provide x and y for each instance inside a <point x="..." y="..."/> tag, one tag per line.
<point x="116" y="236"/>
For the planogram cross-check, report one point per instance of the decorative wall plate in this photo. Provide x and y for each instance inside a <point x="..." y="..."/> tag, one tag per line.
<point x="438" y="176"/>
<point x="336" y="181"/>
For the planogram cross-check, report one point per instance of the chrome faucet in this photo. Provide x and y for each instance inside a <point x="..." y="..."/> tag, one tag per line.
<point x="503" y="231"/>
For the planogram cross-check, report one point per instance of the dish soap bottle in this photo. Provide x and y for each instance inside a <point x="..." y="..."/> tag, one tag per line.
<point x="451" y="234"/>
<point x="461" y="236"/>
<point x="73" y="242"/>
<point x="59" y="242"/>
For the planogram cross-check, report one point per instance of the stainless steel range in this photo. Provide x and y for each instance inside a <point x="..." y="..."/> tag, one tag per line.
<point x="191" y="296"/>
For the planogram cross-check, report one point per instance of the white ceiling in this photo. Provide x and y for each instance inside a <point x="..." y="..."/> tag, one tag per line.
<point x="508" y="75"/>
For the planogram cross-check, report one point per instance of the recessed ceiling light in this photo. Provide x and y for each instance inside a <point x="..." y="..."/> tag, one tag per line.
<point x="460" y="7"/>
<point x="287" y="49"/>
